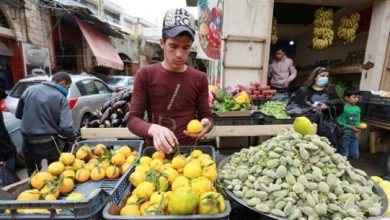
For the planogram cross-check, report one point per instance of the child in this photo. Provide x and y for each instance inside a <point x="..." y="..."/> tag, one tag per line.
<point x="350" y="120"/>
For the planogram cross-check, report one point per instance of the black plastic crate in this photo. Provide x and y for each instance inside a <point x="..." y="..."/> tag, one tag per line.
<point x="98" y="193"/>
<point x="253" y="119"/>
<point x="378" y="112"/>
<point x="270" y="120"/>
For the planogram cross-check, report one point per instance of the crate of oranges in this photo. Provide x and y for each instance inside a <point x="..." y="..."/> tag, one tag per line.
<point x="176" y="186"/>
<point x="79" y="184"/>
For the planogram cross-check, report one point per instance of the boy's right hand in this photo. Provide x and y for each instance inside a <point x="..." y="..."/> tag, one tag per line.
<point x="355" y="129"/>
<point x="163" y="138"/>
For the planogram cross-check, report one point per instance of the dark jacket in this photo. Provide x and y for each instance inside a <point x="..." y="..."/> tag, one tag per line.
<point x="7" y="148"/>
<point x="44" y="110"/>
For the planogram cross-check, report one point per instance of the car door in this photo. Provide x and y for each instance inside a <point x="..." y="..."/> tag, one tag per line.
<point x="104" y="92"/>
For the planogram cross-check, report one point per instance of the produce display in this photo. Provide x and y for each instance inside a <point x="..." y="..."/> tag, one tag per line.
<point x="322" y="31"/>
<point x="385" y="185"/>
<point x="258" y="92"/>
<point x="183" y="185"/>
<point x="224" y="101"/>
<point x="275" y="109"/>
<point x="348" y="25"/>
<point x="88" y="164"/>
<point x="274" y="31"/>
<point x="300" y="177"/>
<point x="114" y="113"/>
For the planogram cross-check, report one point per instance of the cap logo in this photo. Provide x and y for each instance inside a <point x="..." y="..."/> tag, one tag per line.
<point x="179" y="17"/>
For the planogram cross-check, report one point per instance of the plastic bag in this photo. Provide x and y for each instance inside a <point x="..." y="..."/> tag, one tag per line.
<point x="281" y="96"/>
<point x="328" y="127"/>
<point x="7" y="177"/>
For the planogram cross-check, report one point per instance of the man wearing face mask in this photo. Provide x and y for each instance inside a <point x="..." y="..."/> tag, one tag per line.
<point x="318" y="93"/>
<point x="45" y="114"/>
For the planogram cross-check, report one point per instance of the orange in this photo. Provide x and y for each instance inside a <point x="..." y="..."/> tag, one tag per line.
<point x="82" y="175"/>
<point x="113" y="172"/>
<point x="66" y="186"/>
<point x="97" y="174"/>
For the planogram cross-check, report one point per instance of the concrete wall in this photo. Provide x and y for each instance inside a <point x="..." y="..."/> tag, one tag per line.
<point x="377" y="45"/>
<point x="251" y="18"/>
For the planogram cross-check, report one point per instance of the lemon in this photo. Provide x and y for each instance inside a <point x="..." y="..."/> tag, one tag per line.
<point x="180" y="181"/>
<point x="377" y="179"/>
<point x="201" y="185"/>
<point x="303" y="125"/>
<point x="144" y="190"/>
<point x="97" y="174"/>
<point x="99" y="149"/>
<point x="208" y="163"/>
<point x="50" y="196"/>
<point x="196" y="153"/>
<point x="56" y="168"/>
<point x="69" y="174"/>
<point x="82" y="153"/>
<point x="183" y="202"/>
<point x="363" y="125"/>
<point x="192" y="169"/>
<point x="125" y="151"/>
<point x="39" y="179"/>
<point x="211" y="203"/>
<point x="78" y="164"/>
<point x="210" y="173"/>
<point x="113" y="172"/>
<point x="75" y="196"/>
<point x="132" y="200"/>
<point x="384" y="184"/>
<point x="82" y="175"/>
<point x="159" y="198"/>
<point x="171" y="174"/>
<point x="194" y="126"/>
<point x="130" y="210"/>
<point x="178" y="162"/>
<point x="145" y="160"/>
<point x="50" y="189"/>
<point x="105" y="164"/>
<point x="158" y="155"/>
<point x="31" y="194"/>
<point x="130" y="159"/>
<point x="137" y="177"/>
<point x="118" y="159"/>
<point x="144" y="206"/>
<point x="66" y="186"/>
<point x="142" y="168"/>
<point x="204" y="157"/>
<point x="125" y="167"/>
<point x="156" y="164"/>
<point x="162" y="184"/>
<point x="166" y="166"/>
<point x="67" y="158"/>
<point x="89" y="166"/>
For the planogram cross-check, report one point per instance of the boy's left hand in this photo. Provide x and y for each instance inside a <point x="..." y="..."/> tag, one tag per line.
<point x="355" y="129"/>
<point x="206" y="128"/>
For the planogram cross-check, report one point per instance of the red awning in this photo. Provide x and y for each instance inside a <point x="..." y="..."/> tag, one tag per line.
<point x="106" y="55"/>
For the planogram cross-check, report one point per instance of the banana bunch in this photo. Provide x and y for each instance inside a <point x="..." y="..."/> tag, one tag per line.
<point x="322" y="31"/>
<point x="274" y="31"/>
<point x="348" y="25"/>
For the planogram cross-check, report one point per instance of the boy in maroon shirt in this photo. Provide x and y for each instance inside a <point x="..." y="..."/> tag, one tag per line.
<point x="171" y="92"/>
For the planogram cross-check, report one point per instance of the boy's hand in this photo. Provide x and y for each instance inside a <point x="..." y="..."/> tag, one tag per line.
<point x="163" y="138"/>
<point x="355" y="129"/>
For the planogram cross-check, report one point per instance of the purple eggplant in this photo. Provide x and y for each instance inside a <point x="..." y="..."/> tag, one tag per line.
<point x="118" y="104"/>
<point x="106" y="105"/>
<point x="116" y="122"/>
<point x="105" y="115"/>
<point x="120" y="113"/>
<point x="126" y="117"/>
<point x="93" y="123"/>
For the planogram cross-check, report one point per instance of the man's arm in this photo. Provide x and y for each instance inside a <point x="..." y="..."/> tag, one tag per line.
<point x="293" y="72"/>
<point x="19" y="108"/>
<point x="66" y="121"/>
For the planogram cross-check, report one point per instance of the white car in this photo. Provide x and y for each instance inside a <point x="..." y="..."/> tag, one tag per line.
<point x="86" y="95"/>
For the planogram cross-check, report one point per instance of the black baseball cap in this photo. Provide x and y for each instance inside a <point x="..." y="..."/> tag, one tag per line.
<point x="177" y="21"/>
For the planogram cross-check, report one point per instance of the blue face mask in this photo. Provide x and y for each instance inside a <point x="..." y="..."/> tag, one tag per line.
<point x="322" y="81"/>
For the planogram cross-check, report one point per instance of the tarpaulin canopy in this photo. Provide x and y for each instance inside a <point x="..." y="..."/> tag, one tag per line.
<point x="106" y="55"/>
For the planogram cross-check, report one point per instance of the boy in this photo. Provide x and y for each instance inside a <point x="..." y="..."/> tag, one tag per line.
<point x="350" y="120"/>
<point x="171" y="92"/>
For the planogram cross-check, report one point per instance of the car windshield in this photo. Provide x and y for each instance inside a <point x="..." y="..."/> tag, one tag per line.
<point x="21" y="87"/>
<point x="116" y="81"/>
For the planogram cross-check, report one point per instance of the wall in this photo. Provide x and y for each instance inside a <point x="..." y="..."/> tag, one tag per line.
<point x="251" y="18"/>
<point x="377" y="45"/>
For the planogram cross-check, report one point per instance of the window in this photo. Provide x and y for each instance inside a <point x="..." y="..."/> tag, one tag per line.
<point x="86" y="87"/>
<point x="21" y="87"/>
<point x="102" y="89"/>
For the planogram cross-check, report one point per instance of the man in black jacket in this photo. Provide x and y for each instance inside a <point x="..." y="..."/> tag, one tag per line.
<point x="7" y="148"/>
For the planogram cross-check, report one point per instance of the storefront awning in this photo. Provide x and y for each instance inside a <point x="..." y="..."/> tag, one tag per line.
<point x="5" y="50"/>
<point x="106" y="55"/>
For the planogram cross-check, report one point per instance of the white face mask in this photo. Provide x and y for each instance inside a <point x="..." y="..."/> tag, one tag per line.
<point x="322" y="81"/>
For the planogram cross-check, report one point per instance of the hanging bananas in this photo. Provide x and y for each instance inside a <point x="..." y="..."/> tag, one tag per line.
<point x="274" y="31"/>
<point x="348" y="25"/>
<point x="322" y="31"/>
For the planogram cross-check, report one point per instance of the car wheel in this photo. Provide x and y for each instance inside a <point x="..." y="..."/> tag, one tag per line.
<point x="84" y="120"/>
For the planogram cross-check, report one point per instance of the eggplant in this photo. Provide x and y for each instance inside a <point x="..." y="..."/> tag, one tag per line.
<point x="127" y="96"/>
<point x="126" y="117"/>
<point x="107" y="124"/>
<point x="118" y="104"/>
<point x="93" y="123"/>
<point x="106" y="105"/>
<point x="105" y="115"/>
<point x="127" y="107"/>
<point x="116" y="122"/>
<point x="120" y="113"/>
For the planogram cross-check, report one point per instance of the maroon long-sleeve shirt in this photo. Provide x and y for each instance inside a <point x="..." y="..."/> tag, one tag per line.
<point x="171" y="99"/>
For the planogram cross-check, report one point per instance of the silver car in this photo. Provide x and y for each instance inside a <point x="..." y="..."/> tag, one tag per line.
<point x="118" y="83"/>
<point x="86" y="95"/>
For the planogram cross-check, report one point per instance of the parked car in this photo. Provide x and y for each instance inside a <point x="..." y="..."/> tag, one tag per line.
<point x="86" y="95"/>
<point x="118" y="83"/>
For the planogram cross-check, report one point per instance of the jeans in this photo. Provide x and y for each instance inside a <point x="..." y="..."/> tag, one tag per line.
<point x="35" y="152"/>
<point x="349" y="147"/>
<point x="10" y="164"/>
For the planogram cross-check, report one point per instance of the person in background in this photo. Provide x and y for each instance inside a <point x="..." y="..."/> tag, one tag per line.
<point x="171" y="92"/>
<point x="7" y="148"/>
<point x="45" y="114"/>
<point x="318" y="94"/>
<point x="282" y="71"/>
<point x="350" y="120"/>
